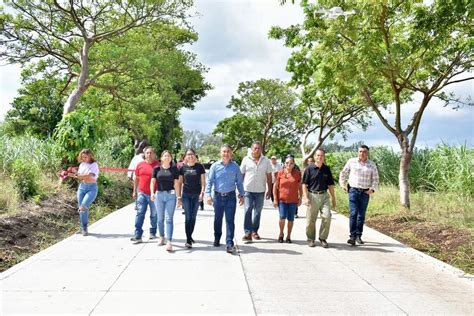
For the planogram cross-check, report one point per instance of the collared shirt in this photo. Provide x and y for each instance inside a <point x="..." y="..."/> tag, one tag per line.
<point x="255" y="173"/>
<point x="224" y="178"/>
<point x="275" y="168"/>
<point x="144" y="172"/>
<point x="361" y="175"/>
<point x="318" y="179"/>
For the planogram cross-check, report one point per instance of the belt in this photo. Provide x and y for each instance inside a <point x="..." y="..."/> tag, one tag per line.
<point x="318" y="192"/>
<point x="168" y="191"/>
<point x="224" y="193"/>
<point x="360" y="189"/>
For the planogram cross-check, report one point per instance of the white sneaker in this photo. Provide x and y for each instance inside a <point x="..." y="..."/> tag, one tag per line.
<point x="169" y="247"/>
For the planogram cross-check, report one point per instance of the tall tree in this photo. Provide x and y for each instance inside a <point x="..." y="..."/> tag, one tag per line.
<point x="389" y="52"/>
<point x="70" y="34"/>
<point x="38" y="108"/>
<point x="266" y="108"/>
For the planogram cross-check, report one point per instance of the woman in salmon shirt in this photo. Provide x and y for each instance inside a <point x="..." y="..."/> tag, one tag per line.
<point x="287" y="192"/>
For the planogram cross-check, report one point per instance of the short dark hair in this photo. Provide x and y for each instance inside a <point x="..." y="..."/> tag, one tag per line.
<point x="257" y="142"/>
<point x="364" y="146"/>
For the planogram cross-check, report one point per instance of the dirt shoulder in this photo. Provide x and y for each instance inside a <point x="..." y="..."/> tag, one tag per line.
<point x="448" y="244"/>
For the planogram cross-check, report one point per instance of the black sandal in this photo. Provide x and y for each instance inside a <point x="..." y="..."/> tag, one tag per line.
<point x="288" y="240"/>
<point x="280" y="239"/>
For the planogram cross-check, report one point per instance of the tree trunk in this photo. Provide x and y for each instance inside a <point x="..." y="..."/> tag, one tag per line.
<point x="403" y="181"/>
<point x="81" y="87"/>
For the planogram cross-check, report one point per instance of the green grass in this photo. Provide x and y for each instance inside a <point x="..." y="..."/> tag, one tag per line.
<point x="447" y="209"/>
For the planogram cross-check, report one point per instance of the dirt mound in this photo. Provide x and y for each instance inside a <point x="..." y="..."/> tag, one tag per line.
<point x="36" y="227"/>
<point x="449" y="244"/>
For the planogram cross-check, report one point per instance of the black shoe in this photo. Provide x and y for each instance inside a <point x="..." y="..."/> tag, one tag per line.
<point x="324" y="243"/>
<point x="216" y="243"/>
<point x="136" y="240"/>
<point x="192" y="241"/>
<point x="351" y="241"/>
<point x="280" y="238"/>
<point x="359" y="241"/>
<point x="230" y="249"/>
<point x="188" y="245"/>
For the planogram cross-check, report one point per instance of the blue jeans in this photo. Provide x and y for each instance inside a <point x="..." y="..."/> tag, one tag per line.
<point x="165" y="205"/>
<point x="190" y="206"/>
<point x="358" y="201"/>
<point x="253" y="205"/>
<point x="86" y="194"/>
<point x="225" y="205"/>
<point x="143" y="201"/>
<point x="287" y="210"/>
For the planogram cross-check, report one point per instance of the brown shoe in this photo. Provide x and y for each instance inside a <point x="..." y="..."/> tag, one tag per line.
<point x="256" y="236"/>
<point x="311" y="243"/>
<point x="247" y="237"/>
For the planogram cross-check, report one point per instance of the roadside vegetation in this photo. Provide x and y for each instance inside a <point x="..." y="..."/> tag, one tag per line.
<point x="440" y="221"/>
<point x="36" y="209"/>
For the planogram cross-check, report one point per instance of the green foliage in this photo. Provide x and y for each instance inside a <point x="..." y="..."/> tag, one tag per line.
<point x="384" y="55"/>
<point x="25" y="176"/>
<point x="42" y="153"/>
<point x="264" y="111"/>
<point x="38" y="108"/>
<point x="77" y="130"/>
<point x="114" y="151"/>
<point x="442" y="169"/>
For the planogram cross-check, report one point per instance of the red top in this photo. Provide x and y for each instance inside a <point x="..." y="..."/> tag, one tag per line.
<point x="144" y="171"/>
<point x="288" y="186"/>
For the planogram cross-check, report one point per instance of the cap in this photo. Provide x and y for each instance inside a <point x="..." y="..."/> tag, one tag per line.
<point x="273" y="157"/>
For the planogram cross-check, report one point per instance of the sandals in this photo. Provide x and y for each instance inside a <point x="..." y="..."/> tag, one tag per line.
<point x="288" y="240"/>
<point x="280" y="238"/>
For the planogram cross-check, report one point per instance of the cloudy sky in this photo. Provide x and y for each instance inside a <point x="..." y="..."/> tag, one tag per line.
<point x="234" y="45"/>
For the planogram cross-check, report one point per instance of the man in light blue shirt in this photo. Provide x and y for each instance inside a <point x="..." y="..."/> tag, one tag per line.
<point x="224" y="176"/>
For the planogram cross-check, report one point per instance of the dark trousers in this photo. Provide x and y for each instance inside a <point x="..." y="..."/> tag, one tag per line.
<point x="190" y="205"/>
<point x="225" y="205"/>
<point x="358" y="202"/>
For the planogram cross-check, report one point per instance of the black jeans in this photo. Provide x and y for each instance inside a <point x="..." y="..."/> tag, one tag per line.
<point x="190" y="205"/>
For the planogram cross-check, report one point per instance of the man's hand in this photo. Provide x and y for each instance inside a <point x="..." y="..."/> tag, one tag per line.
<point x="209" y="200"/>
<point x="344" y="189"/>
<point x="275" y="204"/>
<point x="152" y="197"/>
<point x="134" y="195"/>
<point x="370" y="191"/>
<point x="241" y="200"/>
<point x="268" y="195"/>
<point x="201" y="196"/>
<point x="179" y="202"/>
<point x="307" y="202"/>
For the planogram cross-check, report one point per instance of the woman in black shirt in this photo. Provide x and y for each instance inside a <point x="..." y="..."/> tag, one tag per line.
<point x="192" y="182"/>
<point x="167" y="177"/>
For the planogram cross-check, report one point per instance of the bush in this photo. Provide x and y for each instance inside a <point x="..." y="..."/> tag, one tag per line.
<point x="25" y="176"/>
<point x="77" y="130"/>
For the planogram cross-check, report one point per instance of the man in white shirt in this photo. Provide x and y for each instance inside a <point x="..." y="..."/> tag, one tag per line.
<point x="276" y="166"/>
<point x="134" y="163"/>
<point x="256" y="170"/>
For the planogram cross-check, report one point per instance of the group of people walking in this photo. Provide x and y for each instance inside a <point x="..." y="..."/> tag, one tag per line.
<point x="161" y="186"/>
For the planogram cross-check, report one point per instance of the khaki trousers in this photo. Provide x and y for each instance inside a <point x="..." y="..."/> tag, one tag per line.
<point x="319" y="204"/>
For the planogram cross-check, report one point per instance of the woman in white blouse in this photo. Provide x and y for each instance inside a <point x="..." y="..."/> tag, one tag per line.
<point x="87" y="192"/>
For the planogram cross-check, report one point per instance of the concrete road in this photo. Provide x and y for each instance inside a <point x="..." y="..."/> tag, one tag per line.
<point x="104" y="273"/>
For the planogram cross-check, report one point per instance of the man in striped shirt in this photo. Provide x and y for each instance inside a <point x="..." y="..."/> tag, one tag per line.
<point x="363" y="178"/>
